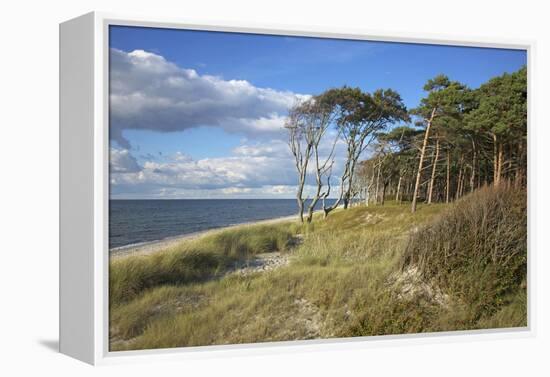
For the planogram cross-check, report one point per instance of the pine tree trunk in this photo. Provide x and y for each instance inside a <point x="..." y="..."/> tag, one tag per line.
<point x="434" y="166"/>
<point x="478" y="175"/>
<point x="495" y="159"/>
<point x="448" y="187"/>
<point x="421" y="162"/>
<point x="398" y="188"/>
<point x="463" y="183"/>
<point x="500" y="163"/>
<point x="519" y="168"/>
<point x="457" y="193"/>
<point x="377" y="181"/>
<point x="473" y="176"/>
<point x="459" y="181"/>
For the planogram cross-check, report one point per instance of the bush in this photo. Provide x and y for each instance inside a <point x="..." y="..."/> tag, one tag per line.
<point x="477" y="250"/>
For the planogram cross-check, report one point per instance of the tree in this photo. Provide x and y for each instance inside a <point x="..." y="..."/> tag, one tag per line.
<point x="364" y="181"/>
<point x="307" y="124"/>
<point x="502" y="116"/>
<point x="318" y="111"/>
<point x="445" y="99"/>
<point x="358" y="117"/>
<point x="300" y="140"/>
<point x="454" y="151"/>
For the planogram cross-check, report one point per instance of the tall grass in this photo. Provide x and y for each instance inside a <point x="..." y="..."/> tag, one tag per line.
<point x="193" y="261"/>
<point x="347" y="277"/>
<point x="342" y="263"/>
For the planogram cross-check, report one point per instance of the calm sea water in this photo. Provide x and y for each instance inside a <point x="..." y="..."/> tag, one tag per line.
<point x="136" y="221"/>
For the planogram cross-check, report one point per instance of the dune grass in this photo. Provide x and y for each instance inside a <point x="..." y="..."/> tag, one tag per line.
<point x="194" y="260"/>
<point x="349" y="276"/>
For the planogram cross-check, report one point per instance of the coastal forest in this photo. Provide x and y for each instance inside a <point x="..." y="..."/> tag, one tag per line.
<point x="420" y="227"/>
<point x="456" y="141"/>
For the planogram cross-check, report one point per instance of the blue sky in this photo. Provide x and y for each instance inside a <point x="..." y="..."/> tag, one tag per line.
<point x="275" y="68"/>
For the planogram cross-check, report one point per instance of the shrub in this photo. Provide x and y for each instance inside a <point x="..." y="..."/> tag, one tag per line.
<point x="477" y="250"/>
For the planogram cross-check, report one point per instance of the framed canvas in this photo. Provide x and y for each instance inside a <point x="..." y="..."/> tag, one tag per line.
<point x="241" y="189"/>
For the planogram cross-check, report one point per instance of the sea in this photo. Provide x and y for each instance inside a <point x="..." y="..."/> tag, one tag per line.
<point x="140" y="221"/>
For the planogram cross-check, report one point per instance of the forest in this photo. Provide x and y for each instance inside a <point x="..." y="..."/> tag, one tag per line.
<point x="457" y="140"/>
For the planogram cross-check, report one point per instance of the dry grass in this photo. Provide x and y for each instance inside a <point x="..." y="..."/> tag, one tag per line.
<point x="193" y="261"/>
<point x="344" y="279"/>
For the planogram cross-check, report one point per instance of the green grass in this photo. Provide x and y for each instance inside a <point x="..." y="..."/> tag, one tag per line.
<point x="346" y="278"/>
<point x="193" y="261"/>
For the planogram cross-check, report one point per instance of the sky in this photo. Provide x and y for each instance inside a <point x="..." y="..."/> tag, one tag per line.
<point x="198" y="114"/>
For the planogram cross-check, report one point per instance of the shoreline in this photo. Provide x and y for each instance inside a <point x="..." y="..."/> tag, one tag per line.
<point x="150" y="247"/>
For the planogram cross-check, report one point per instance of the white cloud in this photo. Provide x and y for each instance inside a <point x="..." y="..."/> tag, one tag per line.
<point x="254" y="169"/>
<point x="236" y="190"/>
<point x="181" y="157"/>
<point x="230" y="175"/>
<point x="121" y="161"/>
<point x="274" y="148"/>
<point x="283" y="189"/>
<point x="150" y="93"/>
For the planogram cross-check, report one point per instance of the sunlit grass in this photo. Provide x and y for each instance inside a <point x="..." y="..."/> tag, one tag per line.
<point x="193" y="261"/>
<point x="343" y="279"/>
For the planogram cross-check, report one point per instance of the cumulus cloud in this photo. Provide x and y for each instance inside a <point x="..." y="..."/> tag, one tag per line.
<point x="253" y="169"/>
<point x="148" y="92"/>
<point x="237" y="174"/>
<point x="121" y="161"/>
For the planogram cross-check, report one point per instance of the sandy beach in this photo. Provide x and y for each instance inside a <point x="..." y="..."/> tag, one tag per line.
<point x="146" y="248"/>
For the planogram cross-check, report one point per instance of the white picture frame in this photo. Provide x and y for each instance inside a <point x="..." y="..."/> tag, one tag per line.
<point x="84" y="188"/>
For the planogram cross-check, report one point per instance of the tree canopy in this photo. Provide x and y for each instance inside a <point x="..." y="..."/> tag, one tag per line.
<point x="456" y="140"/>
